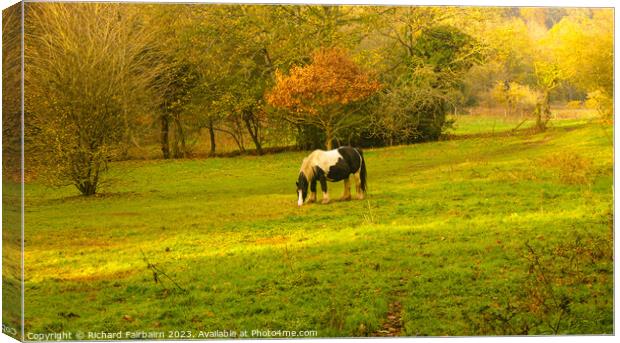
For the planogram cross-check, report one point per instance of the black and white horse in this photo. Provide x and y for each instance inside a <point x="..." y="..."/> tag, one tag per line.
<point x="333" y="165"/>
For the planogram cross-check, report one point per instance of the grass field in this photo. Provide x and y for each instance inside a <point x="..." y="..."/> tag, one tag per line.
<point x="485" y="235"/>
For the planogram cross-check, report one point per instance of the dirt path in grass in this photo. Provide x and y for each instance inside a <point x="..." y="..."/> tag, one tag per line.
<point x="392" y="325"/>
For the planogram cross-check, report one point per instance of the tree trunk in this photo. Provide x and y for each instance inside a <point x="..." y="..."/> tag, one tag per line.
<point x="87" y="188"/>
<point x="165" y="145"/>
<point x="212" y="138"/>
<point x="329" y="137"/>
<point x="88" y="184"/>
<point x="253" y="129"/>
<point x="543" y="112"/>
<point x="238" y="139"/>
<point x="179" y="150"/>
<point x="241" y="144"/>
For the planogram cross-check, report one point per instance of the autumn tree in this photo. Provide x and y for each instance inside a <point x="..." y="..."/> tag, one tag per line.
<point x="548" y="78"/>
<point x="516" y="98"/>
<point x="302" y="30"/>
<point x="11" y="91"/>
<point x="582" y="46"/>
<point x="174" y="82"/>
<point x="323" y="93"/>
<point x="88" y="72"/>
<point x="236" y="50"/>
<point x="508" y="70"/>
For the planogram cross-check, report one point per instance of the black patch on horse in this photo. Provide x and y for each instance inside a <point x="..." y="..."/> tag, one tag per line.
<point x="338" y="171"/>
<point x="302" y="185"/>
<point x="348" y="164"/>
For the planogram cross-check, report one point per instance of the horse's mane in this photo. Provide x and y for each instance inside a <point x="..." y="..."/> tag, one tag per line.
<point x="308" y="164"/>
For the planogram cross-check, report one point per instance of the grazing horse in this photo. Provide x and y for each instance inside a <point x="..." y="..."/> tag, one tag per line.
<point x="333" y="165"/>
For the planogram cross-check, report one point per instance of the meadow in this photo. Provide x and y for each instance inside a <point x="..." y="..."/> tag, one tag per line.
<point x="499" y="233"/>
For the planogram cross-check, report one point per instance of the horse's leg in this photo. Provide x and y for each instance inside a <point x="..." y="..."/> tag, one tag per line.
<point x="347" y="189"/>
<point x="358" y="186"/>
<point x="312" y="197"/>
<point x="324" y="189"/>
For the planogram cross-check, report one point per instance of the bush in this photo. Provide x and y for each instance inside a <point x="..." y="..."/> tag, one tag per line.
<point x="574" y="104"/>
<point x="570" y="168"/>
<point x="553" y="295"/>
<point x="602" y="103"/>
<point x="413" y="110"/>
<point x="516" y="98"/>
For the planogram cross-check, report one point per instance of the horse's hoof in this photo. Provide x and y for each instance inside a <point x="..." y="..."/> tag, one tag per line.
<point x="347" y="198"/>
<point x="325" y="201"/>
<point x="360" y="196"/>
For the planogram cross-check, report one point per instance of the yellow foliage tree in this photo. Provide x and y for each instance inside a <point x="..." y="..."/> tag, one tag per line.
<point x="516" y="98"/>
<point x="582" y="45"/>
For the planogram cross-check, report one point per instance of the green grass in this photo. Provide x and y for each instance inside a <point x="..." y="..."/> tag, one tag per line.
<point x="442" y="231"/>
<point x="495" y="124"/>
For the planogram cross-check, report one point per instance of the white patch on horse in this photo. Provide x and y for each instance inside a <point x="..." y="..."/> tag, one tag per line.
<point x="312" y="197"/>
<point x="300" y="200"/>
<point x="325" y="198"/>
<point x="329" y="159"/>
<point x="320" y="158"/>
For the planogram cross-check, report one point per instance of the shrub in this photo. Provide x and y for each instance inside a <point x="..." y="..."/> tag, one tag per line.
<point x="574" y="104"/>
<point x="554" y="292"/>
<point x="570" y="168"/>
<point x="602" y="103"/>
<point x="516" y="98"/>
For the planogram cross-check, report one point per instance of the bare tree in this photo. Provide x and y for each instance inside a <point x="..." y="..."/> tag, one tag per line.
<point x="88" y="71"/>
<point x="11" y="92"/>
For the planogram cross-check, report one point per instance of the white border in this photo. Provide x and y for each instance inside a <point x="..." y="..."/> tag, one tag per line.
<point x="505" y="3"/>
<point x="492" y="3"/>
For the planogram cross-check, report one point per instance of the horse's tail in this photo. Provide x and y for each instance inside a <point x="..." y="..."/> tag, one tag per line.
<point x="362" y="171"/>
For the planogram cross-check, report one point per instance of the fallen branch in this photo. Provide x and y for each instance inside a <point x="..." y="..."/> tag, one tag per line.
<point x="157" y="271"/>
<point x="518" y="126"/>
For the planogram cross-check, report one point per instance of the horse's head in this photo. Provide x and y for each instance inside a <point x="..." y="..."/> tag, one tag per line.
<point x="302" y="189"/>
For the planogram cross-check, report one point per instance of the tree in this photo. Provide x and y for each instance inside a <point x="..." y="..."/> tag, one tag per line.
<point x="413" y="107"/>
<point x="176" y="84"/>
<point x="299" y="31"/>
<point x="582" y="47"/>
<point x="516" y="98"/>
<point x="88" y="71"/>
<point x="232" y="66"/>
<point x="548" y="77"/>
<point x="250" y="39"/>
<point x="323" y="93"/>
<point x="509" y="61"/>
<point x="11" y="91"/>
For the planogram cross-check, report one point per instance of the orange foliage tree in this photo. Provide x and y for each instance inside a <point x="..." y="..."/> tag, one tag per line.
<point x="323" y="92"/>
